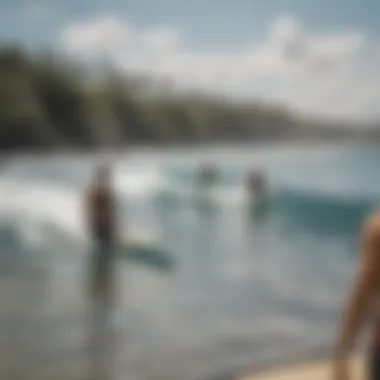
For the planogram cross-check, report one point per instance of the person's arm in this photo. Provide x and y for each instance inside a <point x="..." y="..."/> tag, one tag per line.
<point x="365" y="288"/>
<point x="88" y="204"/>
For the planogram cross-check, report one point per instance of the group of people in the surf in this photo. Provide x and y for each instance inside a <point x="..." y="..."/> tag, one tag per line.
<point x="104" y="231"/>
<point x="255" y="182"/>
<point x="106" y="237"/>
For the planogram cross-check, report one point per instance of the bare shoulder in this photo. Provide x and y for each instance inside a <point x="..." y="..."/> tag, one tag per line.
<point x="372" y="224"/>
<point x="371" y="230"/>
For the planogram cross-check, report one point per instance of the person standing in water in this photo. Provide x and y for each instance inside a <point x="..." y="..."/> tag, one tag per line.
<point x="256" y="185"/>
<point x="256" y="188"/>
<point x="101" y="220"/>
<point x="207" y="174"/>
<point x="361" y="303"/>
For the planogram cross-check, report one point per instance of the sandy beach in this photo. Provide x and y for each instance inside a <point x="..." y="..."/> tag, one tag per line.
<point x="311" y="371"/>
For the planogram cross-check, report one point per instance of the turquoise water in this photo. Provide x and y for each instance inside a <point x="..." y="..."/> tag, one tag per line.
<point x="245" y="289"/>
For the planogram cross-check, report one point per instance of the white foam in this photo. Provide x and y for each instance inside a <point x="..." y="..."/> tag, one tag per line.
<point x="233" y="195"/>
<point x="36" y="204"/>
<point x="140" y="182"/>
<point x="38" y="207"/>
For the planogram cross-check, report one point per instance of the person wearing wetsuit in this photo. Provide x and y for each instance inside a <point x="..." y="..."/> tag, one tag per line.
<point x="101" y="225"/>
<point x="361" y="304"/>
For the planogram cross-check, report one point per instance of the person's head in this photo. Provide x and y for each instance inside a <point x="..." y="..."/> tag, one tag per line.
<point x="103" y="174"/>
<point x="255" y="181"/>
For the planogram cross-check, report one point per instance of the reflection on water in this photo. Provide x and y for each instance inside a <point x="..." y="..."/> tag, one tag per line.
<point x="101" y="350"/>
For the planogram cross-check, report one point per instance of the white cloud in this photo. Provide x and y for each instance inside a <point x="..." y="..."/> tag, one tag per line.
<point x="314" y="73"/>
<point x="162" y="40"/>
<point x="105" y="36"/>
<point x="285" y="36"/>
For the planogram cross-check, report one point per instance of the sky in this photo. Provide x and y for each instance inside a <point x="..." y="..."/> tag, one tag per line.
<point x="317" y="57"/>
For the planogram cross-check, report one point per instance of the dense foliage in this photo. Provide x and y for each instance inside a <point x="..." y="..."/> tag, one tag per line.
<point x="48" y="102"/>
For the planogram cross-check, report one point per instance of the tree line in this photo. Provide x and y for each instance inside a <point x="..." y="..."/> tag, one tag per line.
<point x="48" y="102"/>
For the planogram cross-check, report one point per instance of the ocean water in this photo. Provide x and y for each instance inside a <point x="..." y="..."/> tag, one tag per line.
<point x="246" y="289"/>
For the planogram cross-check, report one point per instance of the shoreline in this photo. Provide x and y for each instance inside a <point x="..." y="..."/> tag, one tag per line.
<point x="311" y="370"/>
<point x="183" y="148"/>
<point x="273" y="368"/>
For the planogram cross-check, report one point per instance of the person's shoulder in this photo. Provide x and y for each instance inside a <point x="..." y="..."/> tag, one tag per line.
<point x="371" y="227"/>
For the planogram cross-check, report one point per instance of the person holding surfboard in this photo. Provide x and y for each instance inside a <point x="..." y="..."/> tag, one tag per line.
<point x="101" y="223"/>
<point x="361" y="303"/>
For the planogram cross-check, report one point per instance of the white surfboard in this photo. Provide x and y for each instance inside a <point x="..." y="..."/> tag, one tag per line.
<point x="144" y="249"/>
<point x="137" y="239"/>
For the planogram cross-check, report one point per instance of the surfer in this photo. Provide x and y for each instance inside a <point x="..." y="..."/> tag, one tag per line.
<point x="207" y="174"/>
<point x="100" y="213"/>
<point x="256" y="185"/>
<point x="361" y="303"/>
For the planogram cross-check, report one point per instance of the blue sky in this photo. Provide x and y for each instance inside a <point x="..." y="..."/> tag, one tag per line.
<point x="239" y="47"/>
<point x="235" y="21"/>
<point x="202" y="22"/>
